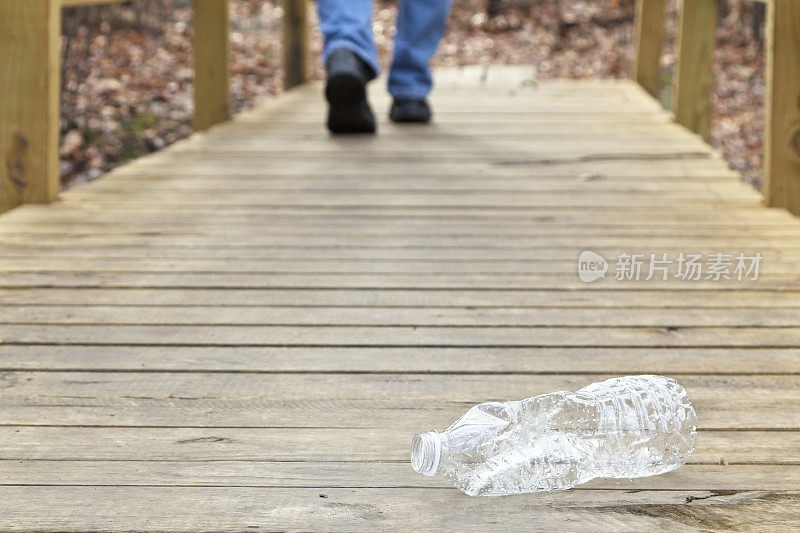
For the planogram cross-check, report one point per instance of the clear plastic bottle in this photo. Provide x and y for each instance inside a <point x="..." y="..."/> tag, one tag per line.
<point x="627" y="427"/>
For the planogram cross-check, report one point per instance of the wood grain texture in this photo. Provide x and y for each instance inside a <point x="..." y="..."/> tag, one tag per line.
<point x="295" y="43"/>
<point x="246" y="329"/>
<point x="29" y="114"/>
<point x="404" y="401"/>
<point x="421" y="336"/>
<point x="211" y="49"/>
<point x="543" y="316"/>
<point x="782" y="135"/>
<point x="49" y="445"/>
<point x="650" y="18"/>
<point x="356" y="474"/>
<point x="398" y="359"/>
<point x="694" y="69"/>
<point x="363" y="509"/>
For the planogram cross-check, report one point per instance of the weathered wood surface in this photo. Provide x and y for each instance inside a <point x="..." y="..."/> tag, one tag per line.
<point x="782" y="134"/>
<point x="650" y="15"/>
<point x="211" y="49"/>
<point x="296" y="64"/>
<point x="29" y="89"/>
<point x="246" y="329"/>
<point x="694" y="69"/>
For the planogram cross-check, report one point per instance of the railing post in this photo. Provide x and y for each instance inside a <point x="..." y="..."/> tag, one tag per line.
<point x="295" y="43"/>
<point x="29" y="101"/>
<point x="782" y="142"/>
<point x="694" y="72"/>
<point x="650" y="15"/>
<point x="211" y="56"/>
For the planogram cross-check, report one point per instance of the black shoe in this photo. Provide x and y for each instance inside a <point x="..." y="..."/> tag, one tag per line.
<point x="407" y="110"/>
<point x="346" y="92"/>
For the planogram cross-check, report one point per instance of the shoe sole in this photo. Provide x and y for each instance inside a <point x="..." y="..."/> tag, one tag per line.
<point x="346" y="95"/>
<point x="410" y="120"/>
<point x="398" y="118"/>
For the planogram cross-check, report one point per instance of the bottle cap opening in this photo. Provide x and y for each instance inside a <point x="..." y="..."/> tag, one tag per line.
<point x="426" y="453"/>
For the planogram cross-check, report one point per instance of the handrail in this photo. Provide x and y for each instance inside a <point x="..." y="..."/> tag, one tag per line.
<point x="694" y="79"/>
<point x="30" y="33"/>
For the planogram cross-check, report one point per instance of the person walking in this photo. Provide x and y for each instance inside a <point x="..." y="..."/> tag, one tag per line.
<point x="351" y="60"/>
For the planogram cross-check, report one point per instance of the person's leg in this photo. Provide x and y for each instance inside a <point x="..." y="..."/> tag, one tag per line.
<point x="420" y="27"/>
<point x="351" y="61"/>
<point x="348" y="24"/>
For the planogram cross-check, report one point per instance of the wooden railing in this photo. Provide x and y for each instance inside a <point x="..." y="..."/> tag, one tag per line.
<point x="29" y="84"/>
<point x="694" y="80"/>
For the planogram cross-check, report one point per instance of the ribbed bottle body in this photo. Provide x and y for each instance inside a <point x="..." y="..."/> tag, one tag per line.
<point x="626" y="427"/>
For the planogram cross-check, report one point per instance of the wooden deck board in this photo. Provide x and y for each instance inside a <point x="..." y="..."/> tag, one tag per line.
<point x="246" y="329"/>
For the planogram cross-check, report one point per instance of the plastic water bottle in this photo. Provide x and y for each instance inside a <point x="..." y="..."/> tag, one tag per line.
<point x="627" y="427"/>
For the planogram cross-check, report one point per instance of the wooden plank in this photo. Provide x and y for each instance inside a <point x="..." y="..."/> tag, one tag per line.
<point x="544" y="217"/>
<point x="408" y="402"/>
<point x="352" y="474"/>
<point x="296" y="60"/>
<point x="540" y="160"/>
<point x="309" y="266"/>
<point x="543" y="158"/>
<point x="568" y="298"/>
<point x="339" y="509"/>
<point x="607" y="211"/>
<point x="674" y="317"/>
<point x="710" y="185"/>
<point x="421" y="336"/>
<point x="468" y="360"/>
<point x="308" y="114"/>
<point x="534" y="218"/>
<point x="366" y="281"/>
<point x="728" y="410"/>
<point x="769" y="245"/>
<point x="302" y="227"/>
<point x="211" y="49"/>
<point x="382" y="253"/>
<point x="389" y="390"/>
<point x="694" y="69"/>
<point x="429" y="166"/>
<point x="782" y="136"/>
<point x="29" y="445"/>
<point x="442" y="203"/>
<point x="707" y="182"/>
<point x="604" y="128"/>
<point x="512" y="247"/>
<point x="29" y="114"/>
<point x="638" y="148"/>
<point x="390" y="199"/>
<point x="305" y="226"/>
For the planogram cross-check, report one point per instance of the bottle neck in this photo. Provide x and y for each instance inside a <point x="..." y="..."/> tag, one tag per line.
<point x="426" y="453"/>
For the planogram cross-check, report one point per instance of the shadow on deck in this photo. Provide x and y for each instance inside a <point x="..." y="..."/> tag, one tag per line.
<point x="247" y="328"/>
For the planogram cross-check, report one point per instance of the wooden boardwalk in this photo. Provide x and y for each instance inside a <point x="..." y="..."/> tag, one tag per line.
<point x="244" y="331"/>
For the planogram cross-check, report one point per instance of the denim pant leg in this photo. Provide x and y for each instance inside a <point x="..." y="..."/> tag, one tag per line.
<point x="348" y="24"/>
<point x="420" y="27"/>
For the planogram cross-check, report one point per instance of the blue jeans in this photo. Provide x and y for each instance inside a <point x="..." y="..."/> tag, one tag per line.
<point x="420" y="27"/>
